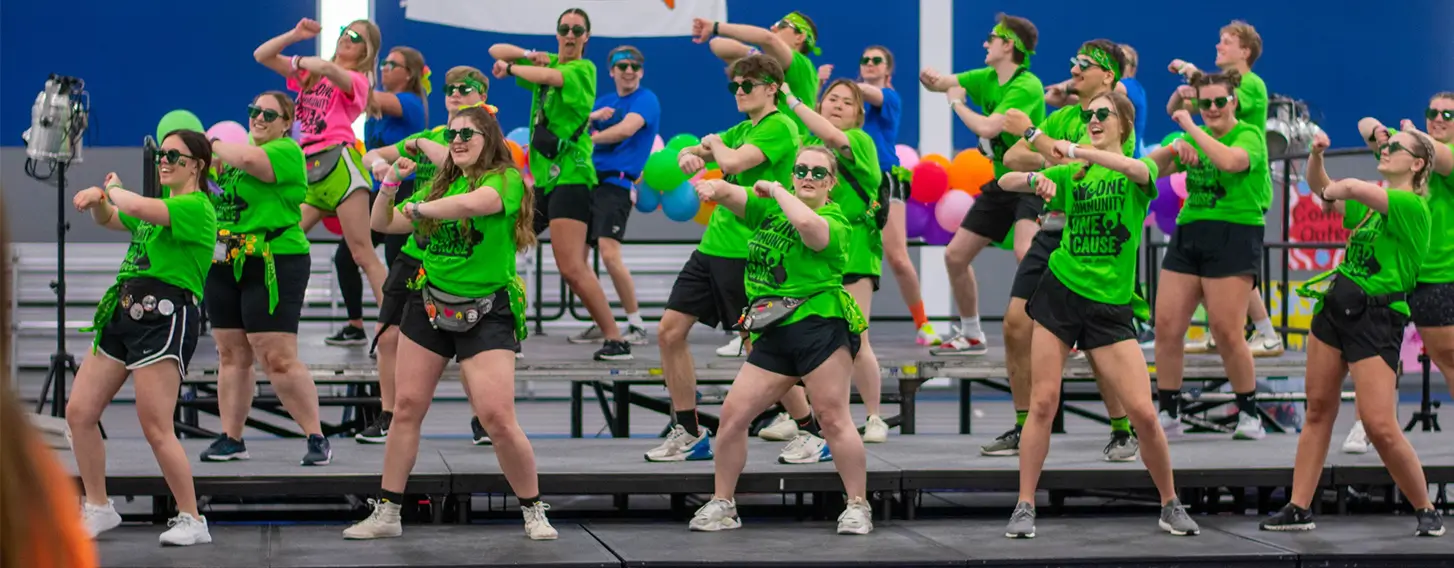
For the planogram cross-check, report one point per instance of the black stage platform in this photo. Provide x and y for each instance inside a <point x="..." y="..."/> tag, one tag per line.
<point x="1132" y="541"/>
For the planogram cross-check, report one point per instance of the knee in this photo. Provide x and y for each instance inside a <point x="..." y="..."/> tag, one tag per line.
<point x="1141" y="413"/>
<point x="671" y="335"/>
<point x="1228" y="332"/>
<point x="80" y="416"/>
<point x="1044" y="404"/>
<point x="835" y="421"/>
<point x="1321" y="411"/>
<point x="498" y="421"/>
<point x="409" y="408"/>
<point x="956" y="258"/>
<point x="899" y="262"/>
<point x="363" y="256"/>
<point x="610" y="252"/>
<point x="158" y="430"/>
<point x="1383" y="431"/>
<point x="230" y="356"/>
<point x="1018" y="323"/>
<point x="277" y="364"/>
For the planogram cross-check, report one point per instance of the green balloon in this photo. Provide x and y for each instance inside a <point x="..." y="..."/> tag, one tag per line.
<point x="1174" y="136"/>
<point x="682" y="141"/>
<point x="178" y="120"/>
<point x="662" y="173"/>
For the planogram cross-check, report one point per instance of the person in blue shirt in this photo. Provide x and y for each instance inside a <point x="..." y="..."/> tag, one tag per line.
<point x="624" y="126"/>
<point x="394" y="113"/>
<point x="1136" y="93"/>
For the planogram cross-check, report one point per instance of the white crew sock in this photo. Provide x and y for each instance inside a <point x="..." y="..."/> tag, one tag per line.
<point x="969" y="327"/>
<point x="635" y="319"/>
<point x="1265" y="328"/>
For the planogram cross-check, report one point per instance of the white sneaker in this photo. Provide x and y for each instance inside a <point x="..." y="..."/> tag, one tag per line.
<point x="927" y="336"/>
<point x="681" y="446"/>
<point x="1263" y="346"/>
<point x="1357" y="442"/>
<point x="100" y="518"/>
<point x="1171" y="426"/>
<point x="588" y="335"/>
<point x="635" y="335"/>
<point x="805" y="449"/>
<point x="732" y="348"/>
<point x="782" y="429"/>
<point x="186" y="531"/>
<point x="961" y="346"/>
<point x="716" y="515"/>
<point x="875" y="431"/>
<point x="1249" y="427"/>
<point x="537" y="527"/>
<point x="857" y="518"/>
<point x="1199" y="347"/>
<point x="382" y="523"/>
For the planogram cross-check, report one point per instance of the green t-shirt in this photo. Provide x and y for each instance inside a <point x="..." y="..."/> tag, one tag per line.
<point x="566" y="109"/>
<point x="1240" y="198"/>
<point x="777" y="137"/>
<point x="248" y="205"/>
<point x="802" y="77"/>
<point x="1066" y="124"/>
<point x="1439" y="263"/>
<point x="866" y="247"/>
<point x="1023" y="91"/>
<point x="779" y="264"/>
<point x="1252" y="102"/>
<point x="423" y="178"/>
<point x="179" y="254"/>
<point x="1385" y="250"/>
<point x="476" y="257"/>
<point x="1105" y="213"/>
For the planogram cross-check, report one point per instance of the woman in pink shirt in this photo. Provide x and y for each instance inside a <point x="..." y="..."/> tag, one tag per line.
<point x="331" y="96"/>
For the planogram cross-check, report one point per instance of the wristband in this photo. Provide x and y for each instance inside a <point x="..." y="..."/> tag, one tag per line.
<point x="378" y="161"/>
<point x="714" y="28"/>
<point x="509" y="70"/>
<point x="1071" y="152"/>
<point x="296" y="59"/>
<point x="1031" y="180"/>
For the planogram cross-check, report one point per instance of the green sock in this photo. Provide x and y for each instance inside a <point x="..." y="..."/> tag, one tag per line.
<point x="1121" y="424"/>
<point x="1020" y="416"/>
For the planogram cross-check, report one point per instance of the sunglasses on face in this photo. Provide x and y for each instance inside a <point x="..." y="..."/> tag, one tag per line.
<point x="745" y="86"/>
<point x="268" y="115"/>
<point x="387" y="65"/>
<point x="875" y="60"/>
<point x="462" y="89"/>
<point x="786" y="24"/>
<point x="1219" y="102"/>
<point x="171" y="157"/>
<point x="816" y="173"/>
<point x="353" y="36"/>
<point x="1447" y="115"/>
<point x="1100" y="114"/>
<point x="624" y="66"/>
<point x="566" y="31"/>
<point x="1082" y="64"/>
<point x="464" y="134"/>
<point x="1392" y="146"/>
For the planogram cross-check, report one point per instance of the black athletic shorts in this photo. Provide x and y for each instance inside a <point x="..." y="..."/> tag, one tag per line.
<point x="1215" y="249"/>
<point x="1035" y="264"/>
<point x="995" y="211"/>
<point x="610" y="208"/>
<point x="898" y="190"/>
<point x="495" y="330"/>
<point x="853" y="278"/>
<point x="564" y="202"/>
<point x="1433" y="304"/>
<point x="243" y="304"/>
<point x="396" y="289"/>
<point x="1078" y="321"/>
<point x="800" y="347"/>
<point x="168" y="330"/>
<point x="712" y="289"/>
<point x="1360" y="328"/>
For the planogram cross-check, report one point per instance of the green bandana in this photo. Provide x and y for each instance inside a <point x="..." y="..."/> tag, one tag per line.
<point x="1009" y="35"/>
<point x="810" y="39"/>
<point x="1103" y="59"/>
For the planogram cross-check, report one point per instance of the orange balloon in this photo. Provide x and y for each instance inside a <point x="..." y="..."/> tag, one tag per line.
<point x="959" y="177"/>
<point x="938" y="159"/>
<point x="516" y="153"/>
<point x="970" y="171"/>
<point x="712" y="174"/>
<point x="704" y="212"/>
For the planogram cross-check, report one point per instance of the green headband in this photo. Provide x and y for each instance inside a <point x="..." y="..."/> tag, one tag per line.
<point x="1102" y="59"/>
<point x="1009" y="35"/>
<point x="471" y="81"/>
<point x="801" y="23"/>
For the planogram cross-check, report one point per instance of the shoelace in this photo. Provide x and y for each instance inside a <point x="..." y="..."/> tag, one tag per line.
<point x="536" y="513"/>
<point x="181" y="520"/>
<point x="1023" y="514"/>
<point x="680" y="436"/>
<point x="714" y="508"/>
<point x="797" y="444"/>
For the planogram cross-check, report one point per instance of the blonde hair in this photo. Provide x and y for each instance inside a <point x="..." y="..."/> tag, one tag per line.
<point x="366" y="64"/>
<point x="1248" y="37"/>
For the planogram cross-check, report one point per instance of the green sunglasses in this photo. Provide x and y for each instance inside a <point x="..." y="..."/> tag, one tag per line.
<point x="464" y="134"/>
<point x="803" y="171"/>
<point x="566" y="31"/>
<point x="1391" y="146"/>
<point x="353" y="36"/>
<point x="268" y="115"/>
<point x="462" y="89"/>
<point x="1219" y="102"/>
<point x="1100" y="114"/>
<point x="745" y="86"/>
<point x="622" y="66"/>
<point x="875" y="60"/>
<point x="1448" y="115"/>
<point x="171" y="157"/>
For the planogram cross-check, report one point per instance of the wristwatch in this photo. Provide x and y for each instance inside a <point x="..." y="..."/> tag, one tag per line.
<point x="1031" y="133"/>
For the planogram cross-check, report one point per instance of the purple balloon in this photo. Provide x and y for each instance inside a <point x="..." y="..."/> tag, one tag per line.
<point x="917" y="217"/>
<point x="936" y="235"/>
<point x="1165" y="208"/>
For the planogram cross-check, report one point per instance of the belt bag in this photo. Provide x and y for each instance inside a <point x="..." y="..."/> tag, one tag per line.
<point x="231" y="245"/>
<point x="766" y="312"/>
<point x="322" y="163"/>
<point x="1354" y="301"/>
<point x="151" y="301"/>
<point x="877" y="205"/>
<point x="455" y="314"/>
<point x="542" y="140"/>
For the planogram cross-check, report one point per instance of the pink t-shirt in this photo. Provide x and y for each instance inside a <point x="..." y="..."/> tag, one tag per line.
<point x="326" y="113"/>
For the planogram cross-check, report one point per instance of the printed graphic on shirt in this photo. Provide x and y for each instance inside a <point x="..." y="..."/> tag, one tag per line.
<point x="448" y="240"/>
<point x="312" y="106"/>
<point x="1203" y="186"/>
<point x="137" y="260"/>
<point x="1359" y="261"/>
<point x="1094" y="226"/>
<point x="229" y="205"/>
<point x="774" y="239"/>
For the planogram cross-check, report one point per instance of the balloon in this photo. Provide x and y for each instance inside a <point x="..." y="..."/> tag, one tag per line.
<point x="908" y="158"/>
<point x="929" y="183"/>
<point x="662" y="173"/>
<point x="952" y="208"/>
<point x="297" y="131"/>
<point x="711" y="174"/>
<point x="647" y="199"/>
<point x="1163" y="187"/>
<point x="1178" y="184"/>
<point x="704" y="212"/>
<point x="520" y="135"/>
<point x="333" y="226"/>
<point x="657" y="144"/>
<point x="917" y="217"/>
<point x="682" y="141"/>
<point x="178" y="120"/>
<point x="517" y="153"/>
<point x="1165" y="207"/>
<point x="680" y="204"/>
<point x="228" y="131"/>
<point x="1174" y="136"/>
<point x="936" y="235"/>
<point x="970" y="171"/>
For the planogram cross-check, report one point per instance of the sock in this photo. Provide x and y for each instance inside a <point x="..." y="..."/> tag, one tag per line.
<point x="1265" y="328"/>
<point x="920" y="320"/>
<point x="1020" y="416"/>
<point x="1170" y="401"/>
<point x="688" y="420"/>
<point x="635" y="319"/>
<point x="809" y="424"/>
<point x="969" y="327"/>
<point x="529" y="501"/>
<point x="391" y="497"/>
<point x="1246" y="404"/>
<point x="1122" y="424"/>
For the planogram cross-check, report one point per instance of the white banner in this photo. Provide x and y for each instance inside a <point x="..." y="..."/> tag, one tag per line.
<point x="609" y="18"/>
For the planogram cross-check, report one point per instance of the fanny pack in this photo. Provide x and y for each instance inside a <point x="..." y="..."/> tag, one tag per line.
<point x="1052" y="221"/>
<point x="323" y="162"/>
<point x="542" y="140"/>
<point x="1350" y="297"/>
<point x="878" y="206"/>
<point x="232" y="245"/>
<point x="455" y="314"/>
<point x="147" y="300"/>
<point x="766" y="312"/>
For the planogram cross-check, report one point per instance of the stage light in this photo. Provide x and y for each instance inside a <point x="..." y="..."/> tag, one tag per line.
<point x="1290" y="128"/>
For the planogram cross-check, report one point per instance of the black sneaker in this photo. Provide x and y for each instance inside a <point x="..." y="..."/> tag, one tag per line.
<point x="614" y="351"/>
<point x="377" y="432"/>
<point x="1295" y="518"/>
<point x="319" y="452"/>
<point x="480" y="437"/>
<point x="1429" y="523"/>
<point x="225" y="449"/>
<point x="347" y="336"/>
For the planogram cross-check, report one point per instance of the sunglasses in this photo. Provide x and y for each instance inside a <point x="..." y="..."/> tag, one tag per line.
<point x="745" y="86"/>
<point x="624" y="66"/>
<point x="1100" y="114"/>
<point x="353" y="36"/>
<point x="1448" y="115"/>
<point x="786" y="24"/>
<point x="387" y="65"/>
<point x="875" y="60"/>
<point x="268" y="115"/>
<point x="566" y="31"/>
<point x="803" y="171"/>
<point x="462" y="89"/>
<point x="171" y="157"/>
<point x="1219" y="102"/>
<point x="464" y="134"/>
<point x="1391" y="147"/>
<point x="1083" y="64"/>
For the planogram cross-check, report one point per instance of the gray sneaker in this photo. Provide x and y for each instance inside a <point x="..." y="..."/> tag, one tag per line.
<point x="1123" y="447"/>
<point x="1022" y="522"/>
<point x="1008" y="444"/>
<point x="588" y="335"/>
<point x="1175" y="520"/>
<point x="635" y="335"/>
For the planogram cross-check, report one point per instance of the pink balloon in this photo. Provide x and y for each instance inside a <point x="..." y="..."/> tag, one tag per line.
<point x="908" y="158"/>
<point x="952" y="208"/>
<point x="228" y="131"/>
<point x="657" y="144"/>
<point x="1178" y="184"/>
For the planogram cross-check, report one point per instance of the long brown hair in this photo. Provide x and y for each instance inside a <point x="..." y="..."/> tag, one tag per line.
<point x="414" y="64"/>
<point x="495" y="158"/>
<point x="854" y="93"/>
<point x="366" y="64"/>
<point x="1125" y="115"/>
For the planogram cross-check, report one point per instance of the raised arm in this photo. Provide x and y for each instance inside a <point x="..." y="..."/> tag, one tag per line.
<point x="383" y="219"/>
<point x="436" y="152"/>
<point x="1229" y="159"/>
<point x="982" y="126"/>
<point x="872" y="95"/>
<point x="340" y="77"/>
<point x="1316" y="172"/>
<point x="1165" y="158"/>
<point x="1373" y="132"/>
<point x="94" y="200"/>
<point x="1134" y="170"/>
<point x="733" y="160"/>
<point x="483" y="200"/>
<point x="811" y="226"/>
<point x="388" y="103"/>
<point x="1029" y="155"/>
<point x="1370" y="195"/>
<point x="763" y="38"/>
<point x="936" y="81"/>
<point x="1443" y="155"/>
<point x="819" y="126"/>
<point x="246" y="157"/>
<point x="731" y="196"/>
<point x="270" y="53"/>
<point x="147" y="209"/>
<point x="627" y="128"/>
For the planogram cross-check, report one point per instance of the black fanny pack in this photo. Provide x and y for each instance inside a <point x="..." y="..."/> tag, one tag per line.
<point x="147" y="299"/>
<point x="322" y="163"/>
<point x="877" y="205"/>
<point x="542" y="140"/>
<point x="1349" y="297"/>
<point x="763" y="313"/>
<point x="455" y="314"/>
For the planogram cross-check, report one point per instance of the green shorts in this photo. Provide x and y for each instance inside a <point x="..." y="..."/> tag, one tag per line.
<point x="349" y="176"/>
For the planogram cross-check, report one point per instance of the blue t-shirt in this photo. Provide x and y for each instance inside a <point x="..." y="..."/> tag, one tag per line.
<point x="389" y="130"/>
<point x="627" y="156"/>
<point x="882" y="124"/>
<point x="1137" y="94"/>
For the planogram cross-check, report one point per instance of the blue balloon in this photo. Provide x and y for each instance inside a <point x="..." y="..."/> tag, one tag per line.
<point x="647" y="199"/>
<point x="680" y="204"/>
<point x="520" y="135"/>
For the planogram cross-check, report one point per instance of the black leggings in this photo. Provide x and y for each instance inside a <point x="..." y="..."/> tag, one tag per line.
<point x="350" y="279"/>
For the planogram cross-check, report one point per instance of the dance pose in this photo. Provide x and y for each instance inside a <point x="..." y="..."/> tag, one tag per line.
<point x="1063" y="94"/>
<point x="1005" y="83"/>
<point x="1084" y="300"/>
<point x="1215" y="253"/>
<point x="394" y="113"/>
<point x="564" y="88"/>
<point x="258" y="280"/>
<point x="710" y="288"/>
<point x="470" y="307"/>
<point x="463" y="87"/>
<point x="625" y="124"/>
<point x="331" y="96"/>
<point x="1358" y="323"/>
<point x="147" y="325"/>
<point x="1095" y="70"/>
<point x="806" y="325"/>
